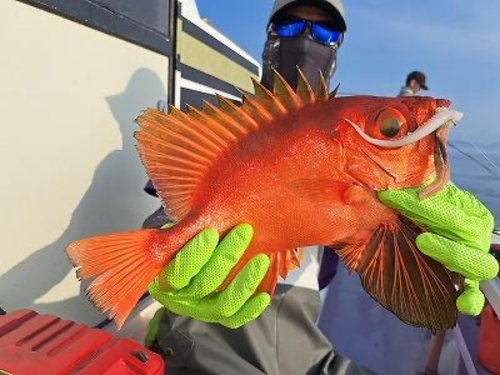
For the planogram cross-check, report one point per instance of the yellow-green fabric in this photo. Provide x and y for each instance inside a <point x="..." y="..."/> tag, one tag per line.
<point x="153" y="326"/>
<point x="458" y="235"/>
<point x="188" y="285"/>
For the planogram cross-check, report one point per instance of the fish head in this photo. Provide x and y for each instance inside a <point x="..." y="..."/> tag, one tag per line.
<point x="392" y="143"/>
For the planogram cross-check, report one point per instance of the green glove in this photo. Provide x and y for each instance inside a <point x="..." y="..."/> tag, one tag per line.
<point x="459" y="235"/>
<point x="188" y="285"/>
<point x="153" y="326"/>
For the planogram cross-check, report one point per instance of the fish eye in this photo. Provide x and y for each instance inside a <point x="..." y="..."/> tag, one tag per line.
<point x="386" y="123"/>
<point x="389" y="127"/>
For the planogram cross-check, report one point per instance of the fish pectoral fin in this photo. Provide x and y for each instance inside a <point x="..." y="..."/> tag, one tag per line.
<point x="416" y="288"/>
<point x="320" y="191"/>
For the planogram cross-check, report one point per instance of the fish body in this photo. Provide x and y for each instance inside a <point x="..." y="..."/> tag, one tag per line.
<point x="293" y="166"/>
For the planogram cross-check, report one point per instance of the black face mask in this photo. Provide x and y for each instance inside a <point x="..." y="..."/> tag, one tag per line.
<point x="285" y="54"/>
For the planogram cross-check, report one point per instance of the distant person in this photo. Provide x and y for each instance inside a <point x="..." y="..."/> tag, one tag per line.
<point x="415" y="81"/>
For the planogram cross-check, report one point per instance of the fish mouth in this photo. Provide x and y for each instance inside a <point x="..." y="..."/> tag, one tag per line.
<point x="441" y="122"/>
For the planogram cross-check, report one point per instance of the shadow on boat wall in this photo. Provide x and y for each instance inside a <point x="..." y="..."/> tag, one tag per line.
<point x="78" y="74"/>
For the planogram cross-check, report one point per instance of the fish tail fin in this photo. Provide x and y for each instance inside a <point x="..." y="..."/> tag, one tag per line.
<point x="123" y="265"/>
<point x="416" y="288"/>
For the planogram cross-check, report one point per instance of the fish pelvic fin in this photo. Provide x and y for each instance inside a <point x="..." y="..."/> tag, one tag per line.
<point x="417" y="289"/>
<point x="122" y="266"/>
<point x="178" y="148"/>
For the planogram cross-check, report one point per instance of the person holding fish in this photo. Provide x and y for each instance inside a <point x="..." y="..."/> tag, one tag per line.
<point x="290" y="169"/>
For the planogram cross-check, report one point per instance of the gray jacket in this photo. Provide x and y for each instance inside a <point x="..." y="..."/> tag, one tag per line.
<point x="405" y="91"/>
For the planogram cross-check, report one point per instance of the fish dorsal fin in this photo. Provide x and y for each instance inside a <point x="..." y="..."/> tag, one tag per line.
<point x="178" y="148"/>
<point x="270" y="101"/>
<point x="174" y="167"/>
<point x="304" y="89"/>
<point x="335" y="91"/>
<point x="256" y="109"/>
<point x="285" y="92"/>
<point x="227" y="134"/>
<point x="322" y="93"/>
<point x="224" y="119"/>
<point x="237" y="113"/>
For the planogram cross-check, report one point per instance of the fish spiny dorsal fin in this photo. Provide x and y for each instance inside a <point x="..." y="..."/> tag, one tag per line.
<point x="177" y="113"/>
<point x="237" y="113"/>
<point x="335" y="91"/>
<point x="175" y="156"/>
<point x="255" y="109"/>
<point x="322" y="93"/>
<point x="225" y="134"/>
<point x="224" y="118"/>
<point x="179" y="148"/>
<point x="188" y="122"/>
<point x="304" y="89"/>
<point x="192" y="154"/>
<point x="184" y="136"/>
<point x="285" y="93"/>
<point x="268" y="99"/>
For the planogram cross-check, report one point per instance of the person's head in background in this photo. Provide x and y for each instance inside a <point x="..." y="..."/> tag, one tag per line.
<point x="415" y="81"/>
<point x="303" y="33"/>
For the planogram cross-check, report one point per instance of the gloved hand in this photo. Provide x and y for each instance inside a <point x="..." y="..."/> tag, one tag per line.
<point x="188" y="283"/>
<point x="458" y="235"/>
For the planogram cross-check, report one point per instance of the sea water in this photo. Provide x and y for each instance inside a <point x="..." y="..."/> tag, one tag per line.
<point x="471" y="171"/>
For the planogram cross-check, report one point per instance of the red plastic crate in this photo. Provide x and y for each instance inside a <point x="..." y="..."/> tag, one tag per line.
<point x="44" y="344"/>
<point x="489" y="341"/>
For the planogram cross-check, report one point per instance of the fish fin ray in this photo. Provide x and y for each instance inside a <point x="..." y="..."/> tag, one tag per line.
<point x="416" y="288"/>
<point x="304" y="89"/>
<point x="224" y="118"/>
<point x="289" y="98"/>
<point x="256" y="109"/>
<point x="322" y="93"/>
<point x="335" y="91"/>
<point x="237" y="113"/>
<point x="185" y="145"/>
<point x="121" y="266"/>
<point x="270" y="101"/>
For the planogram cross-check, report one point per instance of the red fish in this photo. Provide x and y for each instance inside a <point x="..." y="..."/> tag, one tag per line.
<point x="303" y="168"/>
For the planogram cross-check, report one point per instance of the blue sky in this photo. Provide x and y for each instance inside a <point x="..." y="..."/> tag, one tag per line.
<point x="455" y="42"/>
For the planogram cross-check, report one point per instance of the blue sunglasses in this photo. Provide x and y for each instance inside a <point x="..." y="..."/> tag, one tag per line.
<point x="320" y="32"/>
